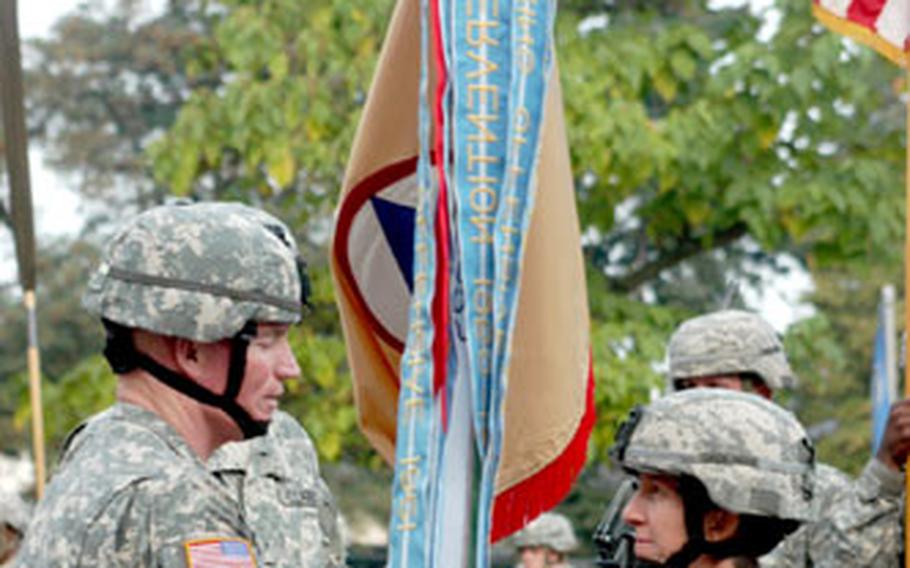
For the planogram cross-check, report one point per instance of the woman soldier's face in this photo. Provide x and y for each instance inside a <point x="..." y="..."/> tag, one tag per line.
<point x="656" y="513"/>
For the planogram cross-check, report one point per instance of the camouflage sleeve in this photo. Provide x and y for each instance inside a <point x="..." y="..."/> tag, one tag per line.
<point x="115" y="537"/>
<point x="801" y="548"/>
<point x="863" y="524"/>
<point x="791" y="553"/>
<point x="119" y="535"/>
<point x="140" y="527"/>
<point x="858" y="523"/>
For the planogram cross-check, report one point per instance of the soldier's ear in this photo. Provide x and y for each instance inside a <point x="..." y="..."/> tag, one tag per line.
<point x="186" y="355"/>
<point x="203" y="363"/>
<point x="720" y="525"/>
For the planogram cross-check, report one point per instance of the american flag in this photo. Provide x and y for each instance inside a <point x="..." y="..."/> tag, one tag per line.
<point x="881" y="24"/>
<point x="219" y="553"/>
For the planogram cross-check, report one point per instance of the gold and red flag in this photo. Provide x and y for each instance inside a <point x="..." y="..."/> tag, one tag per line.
<point x="412" y="315"/>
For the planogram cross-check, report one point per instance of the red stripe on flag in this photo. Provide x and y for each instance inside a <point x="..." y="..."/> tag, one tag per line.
<point x="866" y="12"/>
<point x="441" y="299"/>
<point x="518" y="505"/>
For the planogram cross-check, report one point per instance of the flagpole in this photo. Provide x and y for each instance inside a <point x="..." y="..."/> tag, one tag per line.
<point x="34" y="389"/>
<point x="16" y="137"/>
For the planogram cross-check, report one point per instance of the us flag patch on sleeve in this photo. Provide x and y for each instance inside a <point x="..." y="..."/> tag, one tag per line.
<point x="219" y="553"/>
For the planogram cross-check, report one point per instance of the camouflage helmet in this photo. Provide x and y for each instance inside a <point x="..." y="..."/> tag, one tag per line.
<point x="551" y="530"/>
<point x="198" y="271"/>
<point x="728" y="342"/>
<point x="752" y="456"/>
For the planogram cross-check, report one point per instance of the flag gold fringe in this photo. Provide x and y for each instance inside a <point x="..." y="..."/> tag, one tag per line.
<point x="518" y="505"/>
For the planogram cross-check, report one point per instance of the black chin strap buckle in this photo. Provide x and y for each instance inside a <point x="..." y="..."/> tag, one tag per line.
<point x="118" y="348"/>
<point x="240" y="344"/>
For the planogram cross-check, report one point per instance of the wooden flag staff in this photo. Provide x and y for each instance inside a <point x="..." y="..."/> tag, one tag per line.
<point x="12" y="100"/>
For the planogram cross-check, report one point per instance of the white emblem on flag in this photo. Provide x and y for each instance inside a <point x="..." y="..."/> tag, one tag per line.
<point x="376" y="257"/>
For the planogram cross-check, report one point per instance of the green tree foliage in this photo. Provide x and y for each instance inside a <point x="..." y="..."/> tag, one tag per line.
<point x="107" y="81"/>
<point x="701" y="152"/>
<point x="833" y="355"/>
<point x="708" y="134"/>
<point x="627" y="339"/>
<point x="88" y="385"/>
<point x="280" y="127"/>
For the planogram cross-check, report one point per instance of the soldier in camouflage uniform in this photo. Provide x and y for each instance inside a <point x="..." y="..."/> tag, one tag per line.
<point x="859" y="520"/>
<point x="545" y="541"/>
<point x="723" y="477"/>
<point x="196" y="301"/>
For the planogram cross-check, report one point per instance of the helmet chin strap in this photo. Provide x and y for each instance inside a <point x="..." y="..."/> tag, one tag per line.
<point x="694" y="548"/>
<point x="682" y="558"/>
<point x="696" y="504"/>
<point x="639" y="563"/>
<point x="123" y="357"/>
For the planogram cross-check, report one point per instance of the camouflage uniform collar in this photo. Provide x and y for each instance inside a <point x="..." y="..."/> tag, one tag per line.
<point x="148" y="420"/>
<point x="256" y="457"/>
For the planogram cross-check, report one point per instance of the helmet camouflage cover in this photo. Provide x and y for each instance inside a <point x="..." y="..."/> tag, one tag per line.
<point x="728" y="342"/>
<point x="752" y="456"/>
<point x="551" y="530"/>
<point x="198" y="271"/>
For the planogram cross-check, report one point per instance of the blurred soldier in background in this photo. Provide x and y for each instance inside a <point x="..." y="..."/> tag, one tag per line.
<point x="545" y="541"/>
<point x="14" y="516"/>
<point x="859" y="522"/>
<point x="197" y="301"/>
<point x="722" y="477"/>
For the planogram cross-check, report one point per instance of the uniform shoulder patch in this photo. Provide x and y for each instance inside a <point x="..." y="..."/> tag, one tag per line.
<point x="228" y="552"/>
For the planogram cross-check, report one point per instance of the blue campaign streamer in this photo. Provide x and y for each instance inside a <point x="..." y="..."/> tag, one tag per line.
<point x="531" y="65"/>
<point x="479" y="72"/>
<point x="410" y="543"/>
<point x="499" y="59"/>
<point x="480" y="77"/>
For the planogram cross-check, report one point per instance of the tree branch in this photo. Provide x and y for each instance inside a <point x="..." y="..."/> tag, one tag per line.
<point x="685" y="248"/>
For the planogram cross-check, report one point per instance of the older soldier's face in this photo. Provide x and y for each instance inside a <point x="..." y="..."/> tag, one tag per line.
<point x="657" y="515"/>
<point x="269" y="363"/>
